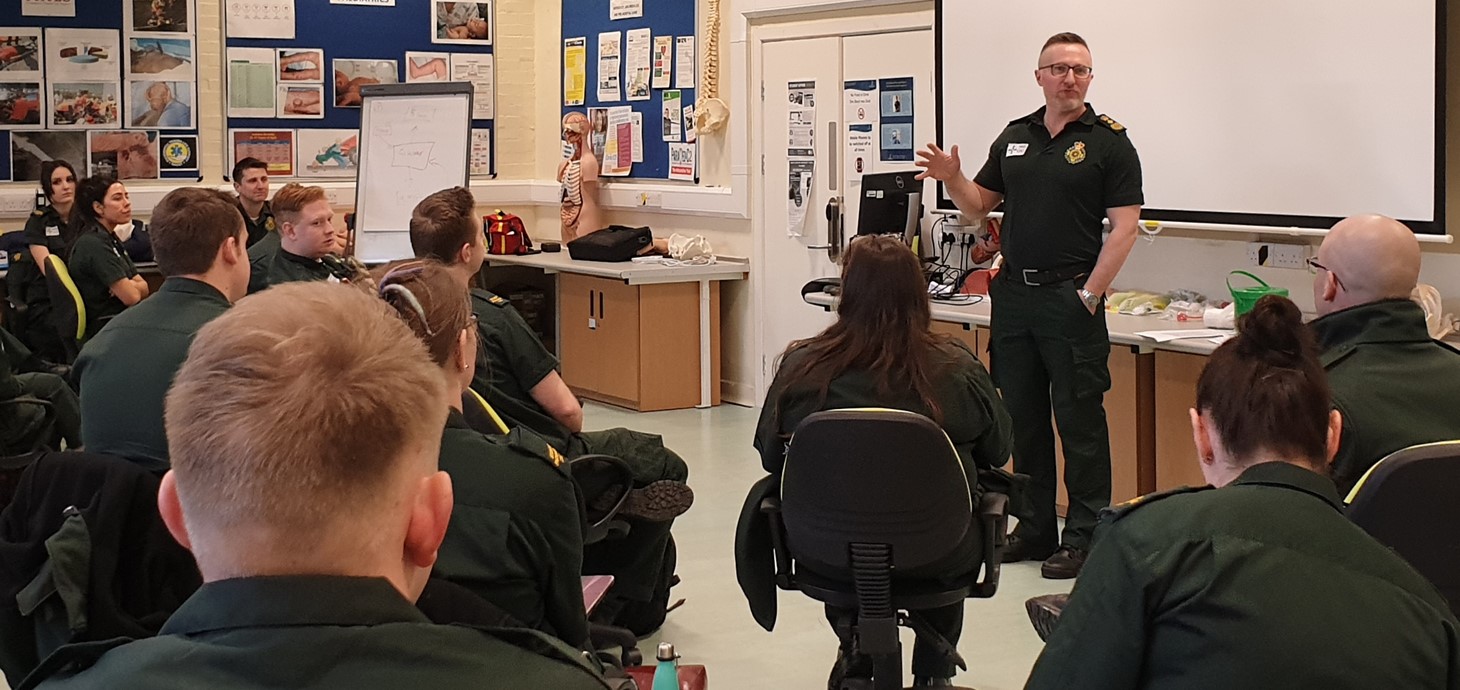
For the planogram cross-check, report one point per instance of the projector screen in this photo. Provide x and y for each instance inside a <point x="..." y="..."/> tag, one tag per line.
<point x="1244" y="112"/>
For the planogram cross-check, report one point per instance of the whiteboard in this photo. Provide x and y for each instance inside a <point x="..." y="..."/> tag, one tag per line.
<point x="1283" y="112"/>
<point x="415" y="140"/>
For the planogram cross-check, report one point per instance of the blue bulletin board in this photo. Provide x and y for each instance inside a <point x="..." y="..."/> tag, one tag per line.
<point x="53" y="113"/>
<point x="586" y="19"/>
<point x="361" y="32"/>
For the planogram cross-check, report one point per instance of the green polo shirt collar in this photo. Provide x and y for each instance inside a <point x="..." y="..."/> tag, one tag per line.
<point x="1286" y="475"/>
<point x="1037" y="117"/>
<point x="189" y="286"/>
<point x="1385" y="321"/>
<point x="291" y="601"/>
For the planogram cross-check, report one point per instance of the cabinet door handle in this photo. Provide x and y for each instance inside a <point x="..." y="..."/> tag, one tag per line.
<point x="600" y="304"/>
<point x="590" y="304"/>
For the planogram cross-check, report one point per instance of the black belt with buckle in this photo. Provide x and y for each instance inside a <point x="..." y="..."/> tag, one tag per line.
<point x="1035" y="277"/>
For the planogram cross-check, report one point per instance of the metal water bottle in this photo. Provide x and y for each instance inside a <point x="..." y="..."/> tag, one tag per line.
<point x="666" y="672"/>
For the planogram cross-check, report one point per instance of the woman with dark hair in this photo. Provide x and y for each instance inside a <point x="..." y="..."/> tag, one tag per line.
<point x="104" y="274"/>
<point x="882" y="353"/>
<point x="515" y="536"/>
<point x="1257" y="581"/>
<point x="47" y="231"/>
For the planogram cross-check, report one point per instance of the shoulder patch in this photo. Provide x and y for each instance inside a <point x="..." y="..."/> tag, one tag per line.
<point x="38" y="212"/>
<point x="525" y="441"/>
<point x="499" y="301"/>
<point x="490" y="297"/>
<point x="1121" y="510"/>
<point x="1112" y="124"/>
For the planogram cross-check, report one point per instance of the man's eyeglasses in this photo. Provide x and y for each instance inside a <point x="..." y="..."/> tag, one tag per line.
<point x="1314" y="267"/>
<point x="1059" y="69"/>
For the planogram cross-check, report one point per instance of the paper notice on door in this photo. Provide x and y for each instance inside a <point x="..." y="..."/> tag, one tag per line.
<point x="798" y="196"/>
<point x="860" y="99"/>
<point x="861" y="152"/>
<point x="575" y="70"/>
<point x="801" y="119"/>
<point x="609" y="55"/>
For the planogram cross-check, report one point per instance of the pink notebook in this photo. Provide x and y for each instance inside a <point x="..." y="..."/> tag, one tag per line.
<point x="594" y="587"/>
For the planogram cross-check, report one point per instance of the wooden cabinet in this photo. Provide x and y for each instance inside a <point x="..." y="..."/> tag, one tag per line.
<point x="1176" y="377"/>
<point x="636" y="346"/>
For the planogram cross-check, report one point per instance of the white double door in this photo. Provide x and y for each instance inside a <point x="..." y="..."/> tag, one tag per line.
<point x="790" y="256"/>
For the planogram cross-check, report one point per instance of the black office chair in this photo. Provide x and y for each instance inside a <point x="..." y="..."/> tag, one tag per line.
<point x="596" y="475"/>
<point x="867" y="494"/>
<point x="20" y="446"/>
<point x="1405" y="500"/>
<point x="68" y="310"/>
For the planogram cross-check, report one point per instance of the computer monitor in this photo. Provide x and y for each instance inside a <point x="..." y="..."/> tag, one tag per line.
<point x="892" y="204"/>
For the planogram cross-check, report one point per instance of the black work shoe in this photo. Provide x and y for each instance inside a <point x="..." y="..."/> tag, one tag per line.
<point x="848" y="666"/>
<point x="1019" y="549"/>
<point x="658" y="501"/>
<point x="1044" y="612"/>
<point x="1065" y="564"/>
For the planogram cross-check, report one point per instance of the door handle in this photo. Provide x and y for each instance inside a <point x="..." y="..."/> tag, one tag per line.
<point x="834" y="233"/>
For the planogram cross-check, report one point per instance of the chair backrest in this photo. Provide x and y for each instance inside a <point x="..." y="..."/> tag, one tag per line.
<point x="873" y="476"/>
<point x="1406" y="500"/>
<point x="69" y="311"/>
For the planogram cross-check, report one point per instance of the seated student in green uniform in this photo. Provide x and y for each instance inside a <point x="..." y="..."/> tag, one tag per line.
<point x="124" y="372"/>
<point x="304" y="431"/>
<point x="516" y="534"/>
<point x="98" y="264"/>
<point x="519" y="379"/>
<point x="1261" y="582"/>
<point x="306" y="237"/>
<point x="47" y="232"/>
<point x="24" y="374"/>
<point x="251" y="184"/>
<point x="882" y="353"/>
<point x="1394" y="385"/>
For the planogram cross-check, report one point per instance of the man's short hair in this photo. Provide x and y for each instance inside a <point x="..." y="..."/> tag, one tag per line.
<point x="442" y="223"/>
<point x="246" y="164"/>
<point x="188" y="227"/>
<point x="292" y="198"/>
<point x="1064" y="38"/>
<point x="293" y="411"/>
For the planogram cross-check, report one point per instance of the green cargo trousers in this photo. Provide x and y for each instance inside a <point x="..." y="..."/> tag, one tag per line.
<point x="1048" y="351"/>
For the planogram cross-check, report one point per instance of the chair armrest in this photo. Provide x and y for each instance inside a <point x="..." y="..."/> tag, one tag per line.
<point x="770" y="507"/>
<point x="993" y="518"/>
<point x="607" y="525"/>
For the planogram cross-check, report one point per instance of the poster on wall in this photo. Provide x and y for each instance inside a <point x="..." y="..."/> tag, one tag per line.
<point x="351" y="74"/>
<point x="300" y="102"/>
<point x="327" y="152"/>
<point x="161" y="104"/>
<point x="251" y="82"/>
<point x="158" y="16"/>
<point x="83" y="55"/>
<point x="682" y="162"/>
<point x="663" y="61"/>
<point x="28" y="150"/>
<point x="179" y="152"/>
<point x="462" y="23"/>
<point x="47" y="8"/>
<point x="480" y="161"/>
<point x="609" y="46"/>
<point x="20" y="55"/>
<point x="301" y="65"/>
<point x="125" y="155"/>
<point x="895" y="114"/>
<point x="575" y="70"/>
<point x="79" y="105"/>
<point x="20" y="105"/>
<point x="156" y="57"/>
<point x="477" y="69"/>
<point x="427" y="67"/>
<point x="638" y="63"/>
<point x="272" y="146"/>
<point x="259" y="18"/>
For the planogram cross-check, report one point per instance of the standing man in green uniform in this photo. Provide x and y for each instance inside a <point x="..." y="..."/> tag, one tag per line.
<point x="251" y="183"/>
<point x="306" y="236"/>
<point x="315" y="525"/>
<point x="1059" y="172"/>
<point x="1394" y="385"/>
<point x="125" y="371"/>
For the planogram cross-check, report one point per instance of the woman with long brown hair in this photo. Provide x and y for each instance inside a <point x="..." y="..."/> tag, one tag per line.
<point x="881" y="352"/>
<point x="1260" y="581"/>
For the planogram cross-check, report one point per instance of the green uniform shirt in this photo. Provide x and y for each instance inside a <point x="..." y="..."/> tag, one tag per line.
<point x="1260" y="584"/>
<point x="511" y="361"/>
<point x="1393" y="384"/>
<point x="261" y="227"/>
<point x="45" y="227"/>
<point x="516" y="533"/>
<point x="973" y="415"/>
<point x="125" y="371"/>
<point x="97" y="261"/>
<point x="1056" y="191"/>
<point x="317" y="632"/>
<point x="272" y="265"/>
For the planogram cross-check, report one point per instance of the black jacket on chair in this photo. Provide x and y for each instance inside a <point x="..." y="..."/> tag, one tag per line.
<point x="122" y="574"/>
<point x="755" y="559"/>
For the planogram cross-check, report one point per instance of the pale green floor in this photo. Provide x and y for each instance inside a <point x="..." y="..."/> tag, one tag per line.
<point x="714" y="626"/>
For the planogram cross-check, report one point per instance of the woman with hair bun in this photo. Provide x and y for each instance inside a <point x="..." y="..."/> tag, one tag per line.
<point x="1257" y="581"/>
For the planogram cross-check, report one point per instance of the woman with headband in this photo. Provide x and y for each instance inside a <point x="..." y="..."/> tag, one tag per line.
<point x="515" y="536"/>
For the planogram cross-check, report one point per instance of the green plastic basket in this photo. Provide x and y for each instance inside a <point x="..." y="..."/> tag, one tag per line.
<point x="1246" y="297"/>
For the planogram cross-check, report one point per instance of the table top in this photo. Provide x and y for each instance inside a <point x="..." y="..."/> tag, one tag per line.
<point x="1122" y="327"/>
<point x="633" y="273"/>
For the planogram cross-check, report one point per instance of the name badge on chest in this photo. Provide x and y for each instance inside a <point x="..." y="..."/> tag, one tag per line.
<point x="53" y="231"/>
<point x="1015" y="150"/>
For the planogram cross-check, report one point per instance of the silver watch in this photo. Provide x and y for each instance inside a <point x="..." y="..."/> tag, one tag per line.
<point x="1090" y="299"/>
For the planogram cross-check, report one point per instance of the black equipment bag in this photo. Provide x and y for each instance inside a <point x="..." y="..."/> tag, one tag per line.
<point x="613" y="243"/>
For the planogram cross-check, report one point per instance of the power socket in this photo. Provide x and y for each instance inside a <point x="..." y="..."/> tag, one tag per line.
<point x="1276" y="255"/>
